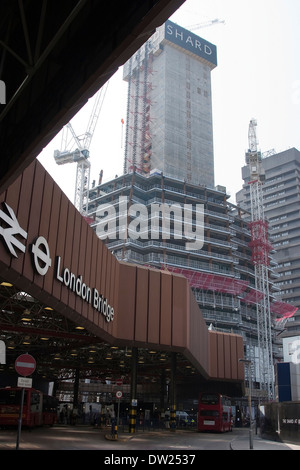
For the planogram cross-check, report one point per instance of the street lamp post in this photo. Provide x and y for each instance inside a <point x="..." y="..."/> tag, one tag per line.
<point x="247" y="362"/>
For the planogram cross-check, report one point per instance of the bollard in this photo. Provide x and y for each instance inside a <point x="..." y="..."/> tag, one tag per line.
<point x="173" y="418"/>
<point x="132" y="419"/>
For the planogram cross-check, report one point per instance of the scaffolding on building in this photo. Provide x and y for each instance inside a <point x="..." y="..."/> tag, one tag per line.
<point x="233" y="286"/>
<point x="138" y="145"/>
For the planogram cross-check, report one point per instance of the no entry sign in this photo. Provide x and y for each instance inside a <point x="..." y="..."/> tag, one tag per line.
<point x="25" y="365"/>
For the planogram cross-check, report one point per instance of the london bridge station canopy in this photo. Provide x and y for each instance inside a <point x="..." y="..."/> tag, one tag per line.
<point x="49" y="252"/>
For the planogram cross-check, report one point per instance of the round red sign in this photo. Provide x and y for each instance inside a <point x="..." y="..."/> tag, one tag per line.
<point x="25" y="365"/>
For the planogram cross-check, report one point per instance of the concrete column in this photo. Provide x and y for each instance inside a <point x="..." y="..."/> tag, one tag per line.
<point x="74" y="414"/>
<point x="76" y="389"/>
<point x="133" y="391"/>
<point x="162" y="390"/>
<point x="173" y="392"/>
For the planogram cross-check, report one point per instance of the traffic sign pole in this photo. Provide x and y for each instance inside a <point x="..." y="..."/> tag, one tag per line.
<point x="25" y="365"/>
<point x="20" y="419"/>
<point x="119" y="396"/>
<point x="118" y="417"/>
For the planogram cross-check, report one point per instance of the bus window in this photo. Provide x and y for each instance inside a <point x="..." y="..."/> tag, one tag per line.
<point x="11" y="397"/>
<point x="210" y="398"/>
<point x="209" y="413"/>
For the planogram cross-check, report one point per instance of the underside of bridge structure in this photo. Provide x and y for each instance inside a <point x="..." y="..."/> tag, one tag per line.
<point x="54" y="56"/>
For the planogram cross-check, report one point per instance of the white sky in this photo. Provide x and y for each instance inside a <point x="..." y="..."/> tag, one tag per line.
<point x="258" y="76"/>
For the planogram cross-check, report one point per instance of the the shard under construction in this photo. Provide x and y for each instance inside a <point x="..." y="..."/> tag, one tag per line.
<point x="169" y="111"/>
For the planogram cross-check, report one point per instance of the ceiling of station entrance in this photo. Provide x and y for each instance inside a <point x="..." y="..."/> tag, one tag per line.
<point x="60" y="346"/>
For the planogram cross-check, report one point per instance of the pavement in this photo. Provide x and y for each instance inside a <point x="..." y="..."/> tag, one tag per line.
<point x="85" y="437"/>
<point x="241" y="441"/>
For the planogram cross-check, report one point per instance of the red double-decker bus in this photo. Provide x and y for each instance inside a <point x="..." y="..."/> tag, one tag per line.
<point x="38" y="408"/>
<point x="214" y="412"/>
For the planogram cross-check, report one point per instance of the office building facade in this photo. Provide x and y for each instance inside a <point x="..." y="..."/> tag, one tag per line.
<point x="282" y="209"/>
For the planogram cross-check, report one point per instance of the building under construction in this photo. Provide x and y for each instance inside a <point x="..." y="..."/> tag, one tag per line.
<point x="169" y="106"/>
<point x="221" y="273"/>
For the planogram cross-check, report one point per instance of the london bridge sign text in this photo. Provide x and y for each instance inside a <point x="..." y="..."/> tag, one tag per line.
<point x="11" y="232"/>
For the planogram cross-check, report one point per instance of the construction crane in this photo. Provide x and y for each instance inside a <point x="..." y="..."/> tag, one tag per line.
<point x="260" y="258"/>
<point x="81" y="153"/>
<point x="206" y="24"/>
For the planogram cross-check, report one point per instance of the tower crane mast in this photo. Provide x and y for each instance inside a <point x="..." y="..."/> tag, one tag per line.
<point x="260" y="258"/>
<point x="206" y="24"/>
<point x="81" y="153"/>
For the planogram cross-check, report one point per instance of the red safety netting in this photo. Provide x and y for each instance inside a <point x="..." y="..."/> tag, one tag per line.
<point x="212" y="282"/>
<point x="229" y="285"/>
<point x="283" y="309"/>
<point x="88" y="219"/>
<point x="253" y="296"/>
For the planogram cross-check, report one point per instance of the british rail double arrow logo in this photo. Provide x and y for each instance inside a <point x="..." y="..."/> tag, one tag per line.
<point x="13" y="229"/>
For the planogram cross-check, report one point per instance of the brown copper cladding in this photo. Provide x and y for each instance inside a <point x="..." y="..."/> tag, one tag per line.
<point x="152" y="308"/>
